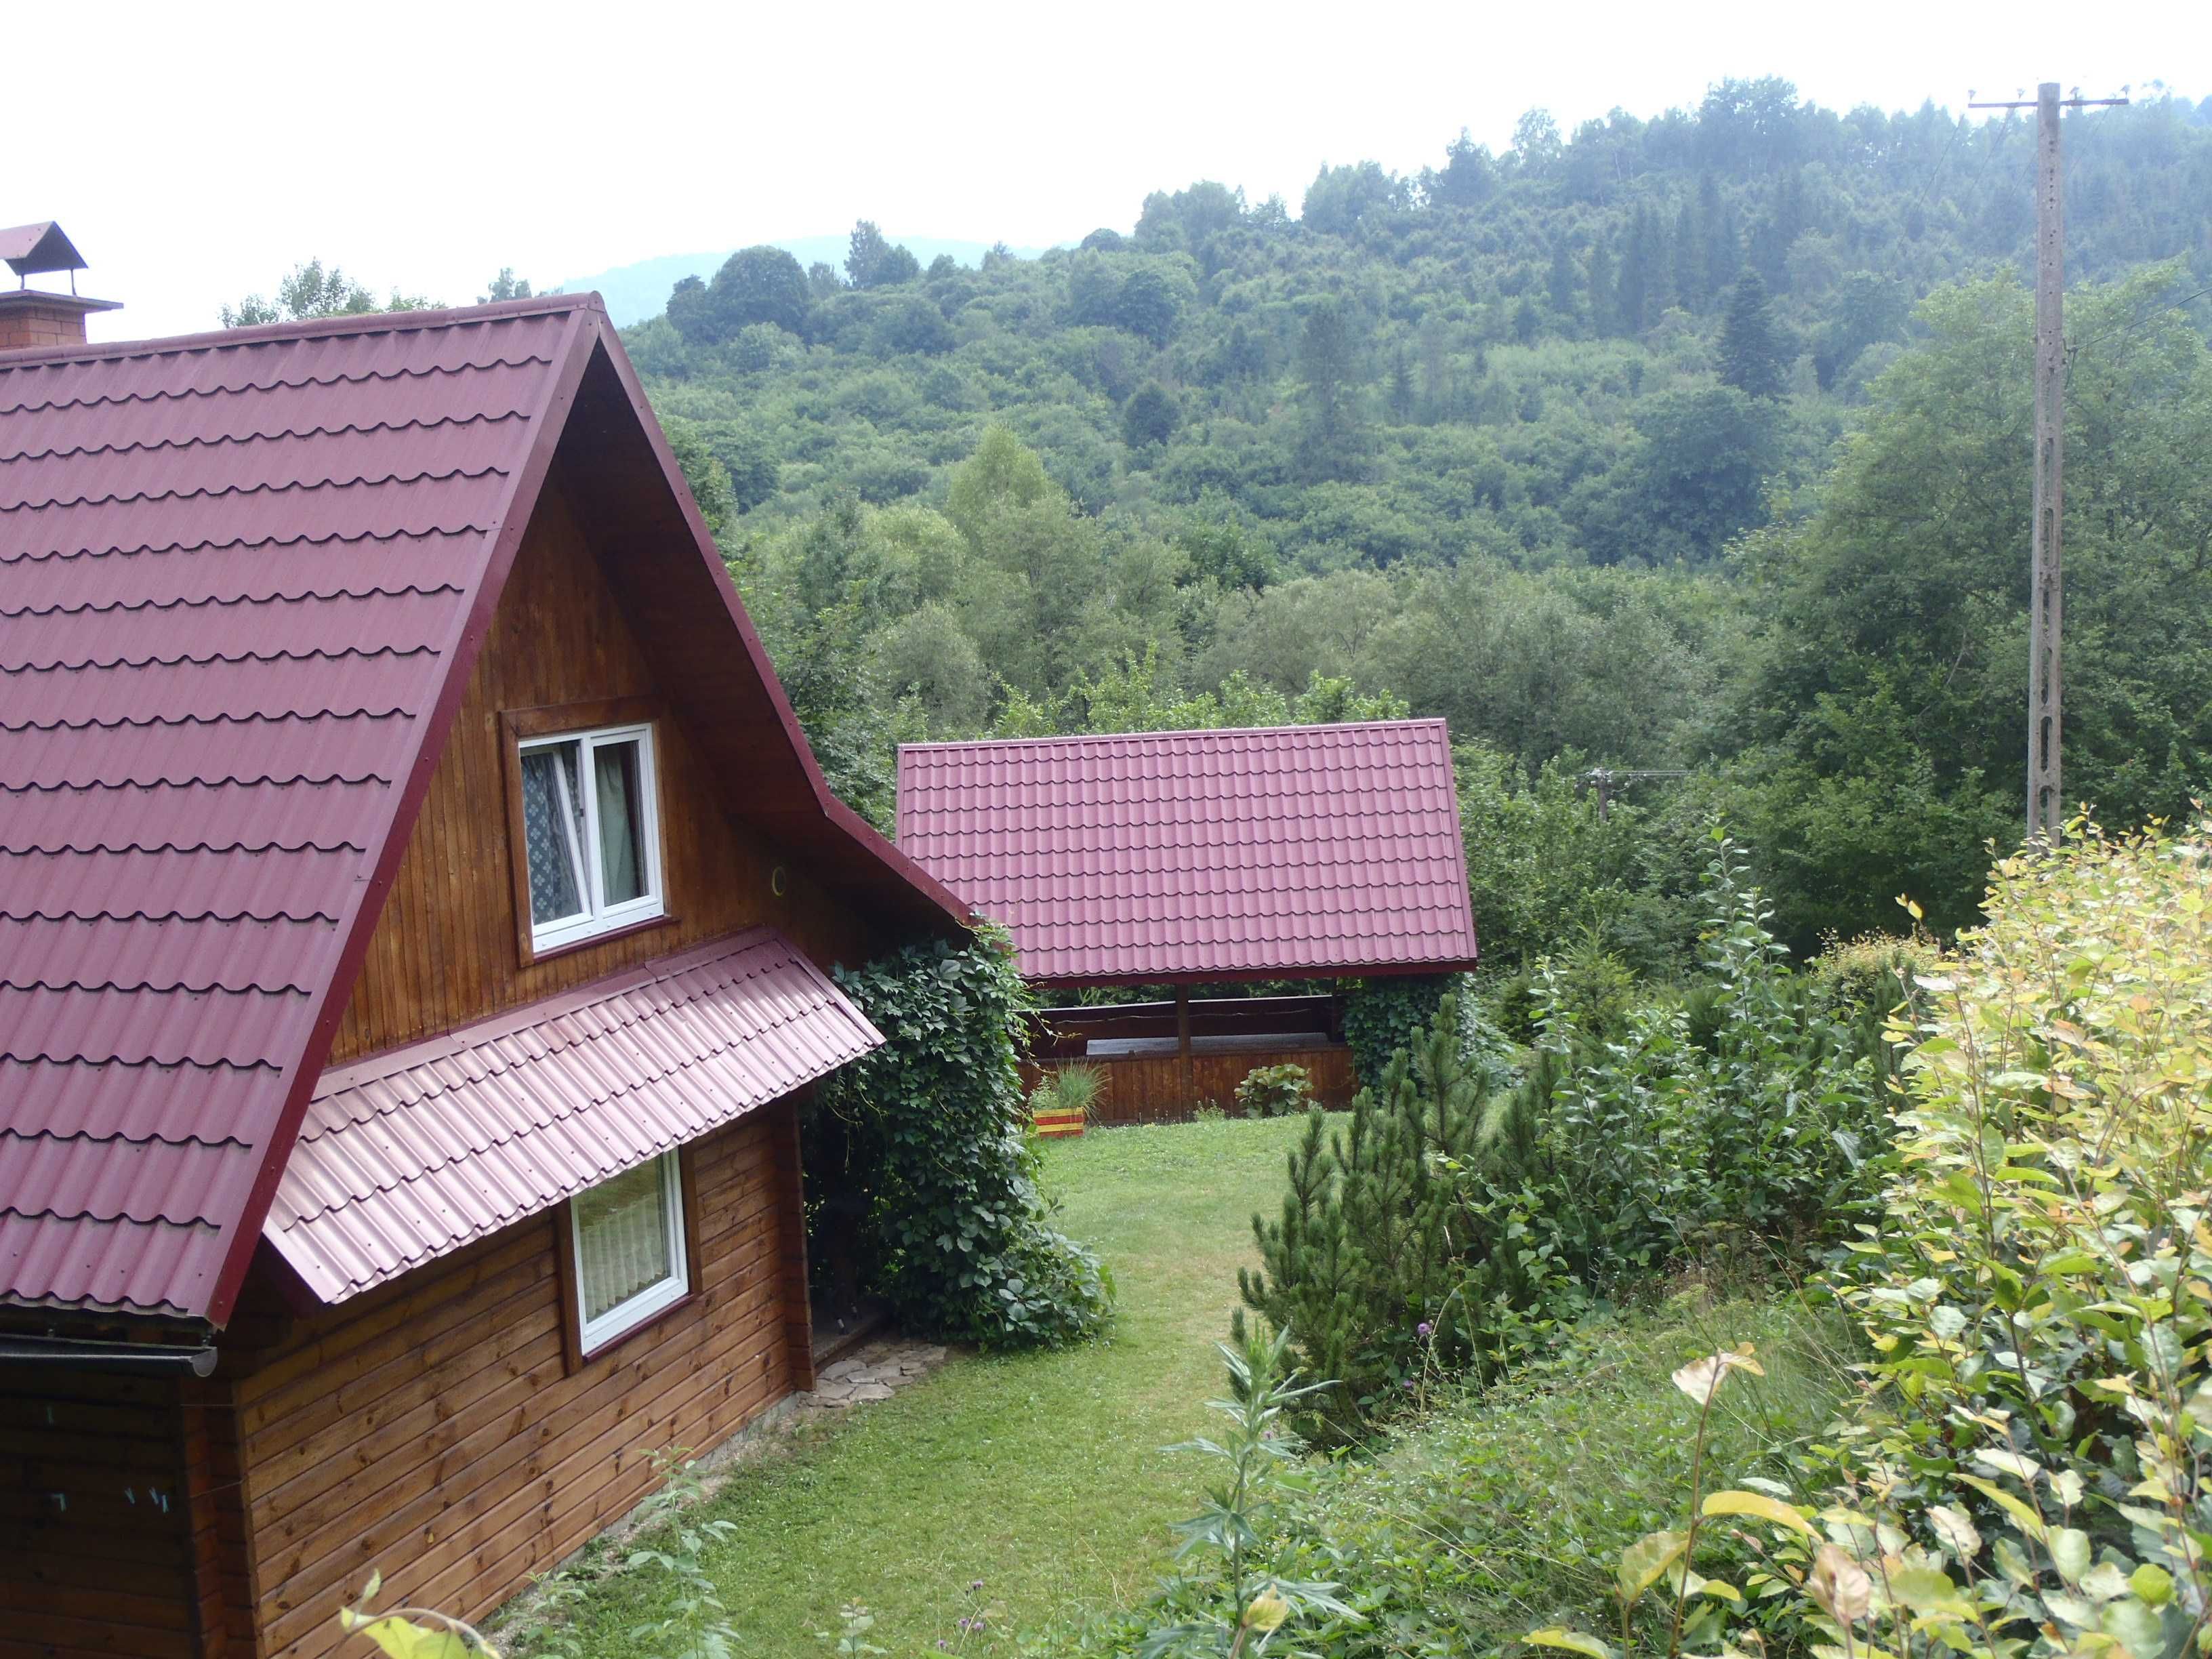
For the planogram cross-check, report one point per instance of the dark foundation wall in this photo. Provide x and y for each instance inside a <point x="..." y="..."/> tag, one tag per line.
<point x="443" y="1431"/>
<point x="97" y="1544"/>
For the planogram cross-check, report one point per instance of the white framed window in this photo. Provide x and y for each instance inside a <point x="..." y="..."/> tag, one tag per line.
<point x="591" y="833"/>
<point x="629" y="1234"/>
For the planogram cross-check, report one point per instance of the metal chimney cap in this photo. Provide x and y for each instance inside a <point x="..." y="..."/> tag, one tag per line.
<point x="30" y="250"/>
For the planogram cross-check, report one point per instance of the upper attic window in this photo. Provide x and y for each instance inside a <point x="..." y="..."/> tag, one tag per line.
<point x="591" y="833"/>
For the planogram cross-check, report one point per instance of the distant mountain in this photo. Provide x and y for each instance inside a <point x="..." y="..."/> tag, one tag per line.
<point x="635" y="292"/>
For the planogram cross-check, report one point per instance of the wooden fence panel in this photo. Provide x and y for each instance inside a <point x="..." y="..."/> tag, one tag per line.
<point x="1156" y="1089"/>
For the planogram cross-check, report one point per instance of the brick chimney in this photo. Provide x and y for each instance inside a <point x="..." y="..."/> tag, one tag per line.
<point x="30" y="317"/>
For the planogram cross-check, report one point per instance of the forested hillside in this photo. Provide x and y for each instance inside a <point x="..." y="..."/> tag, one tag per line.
<point x="1693" y="445"/>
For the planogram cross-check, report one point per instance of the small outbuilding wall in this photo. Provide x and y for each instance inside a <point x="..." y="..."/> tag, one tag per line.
<point x="1158" y="1062"/>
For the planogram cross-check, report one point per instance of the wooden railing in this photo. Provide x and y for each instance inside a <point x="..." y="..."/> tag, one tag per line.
<point x="1064" y="1033"/>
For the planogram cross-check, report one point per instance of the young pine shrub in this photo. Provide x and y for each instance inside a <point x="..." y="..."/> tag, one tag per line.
<point x="1388" y="1261"/>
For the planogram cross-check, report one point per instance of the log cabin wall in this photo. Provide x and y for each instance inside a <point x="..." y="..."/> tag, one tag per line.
<point x="438" y="1430"/>
<point x="446" y="949"/>
<point x="97" y="1545"/>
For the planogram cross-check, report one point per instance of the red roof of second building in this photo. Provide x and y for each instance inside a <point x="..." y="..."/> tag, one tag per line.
<point x="1151" y="857"/>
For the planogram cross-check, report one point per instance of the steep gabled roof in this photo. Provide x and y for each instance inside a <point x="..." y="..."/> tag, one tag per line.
<point x="244" y="577"/>
<point x="1149" y="858"/>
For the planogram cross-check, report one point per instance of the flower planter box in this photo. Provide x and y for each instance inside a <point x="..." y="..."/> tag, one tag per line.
<point x="1052" y="1125"/>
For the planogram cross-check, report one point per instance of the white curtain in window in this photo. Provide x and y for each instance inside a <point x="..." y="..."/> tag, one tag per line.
<point x="615" y="768"/>
<point x="622" y="1238"/>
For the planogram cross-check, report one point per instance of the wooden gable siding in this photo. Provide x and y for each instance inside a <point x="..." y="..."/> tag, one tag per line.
<point x="96" y="1536"/>
<point x="445" y="949"/>
<point x="436" y="1430"/>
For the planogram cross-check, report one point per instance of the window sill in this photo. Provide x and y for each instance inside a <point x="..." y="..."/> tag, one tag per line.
<point x="533" y="954"/>
<point x="609" y="1344"/>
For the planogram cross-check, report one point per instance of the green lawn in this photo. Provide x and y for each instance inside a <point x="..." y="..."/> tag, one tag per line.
<point x="1041" y="1474"/>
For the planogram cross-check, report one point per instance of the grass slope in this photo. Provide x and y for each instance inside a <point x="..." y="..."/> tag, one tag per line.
<point x="1508" y="1508"/>
<point x="1041" y="1474"/>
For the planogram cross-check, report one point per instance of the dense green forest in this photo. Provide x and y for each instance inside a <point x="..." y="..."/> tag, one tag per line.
<point x="1694" y="445"/>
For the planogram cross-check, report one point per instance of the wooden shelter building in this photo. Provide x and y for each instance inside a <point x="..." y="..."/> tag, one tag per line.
<point x="415" y="897"/>
<point x="1175" y="860"/>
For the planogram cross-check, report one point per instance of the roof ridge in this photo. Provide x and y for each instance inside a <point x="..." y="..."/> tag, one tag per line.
<point x="157" y="988"/>
<point x="103" y="1060"/>
<point x="288" y="655"/>
<point x="368" y="322"/>
<point x="346" y="780"/>
<point x="71" y="849"/>
<point x="946" y="744"/>
<point x="152" y="549"/>
<point x="211" y="1145"/>
<point x="142" y="914"/>
<point x="221" y="717"/>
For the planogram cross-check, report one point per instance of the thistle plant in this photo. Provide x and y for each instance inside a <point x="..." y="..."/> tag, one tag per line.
<point x="1231" y="1531"/>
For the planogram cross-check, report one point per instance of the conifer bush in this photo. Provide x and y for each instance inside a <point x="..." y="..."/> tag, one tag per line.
<point x="1456" y="1220"/>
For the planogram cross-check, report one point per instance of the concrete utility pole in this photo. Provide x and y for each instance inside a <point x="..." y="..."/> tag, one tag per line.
<point x="2046" y="801"/>
<point x="1608" y="782"/>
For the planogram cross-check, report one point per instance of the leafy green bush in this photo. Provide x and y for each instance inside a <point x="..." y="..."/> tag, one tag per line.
<point x="937" y="1119"/>
<point x="2032" y="1447"/>
<point x="1506" y="1508"/>
<point x="1382" y="1016"/>
<point x="1275" y="1090"/>
<point x="1232" y="1606"/>
<point x="2024" y="1471"/>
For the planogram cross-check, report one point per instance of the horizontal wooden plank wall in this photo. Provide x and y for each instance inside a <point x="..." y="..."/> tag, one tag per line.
<point x="1153" y="1088"/>
<point x="445" y="952"/>
<point x="96" y="1546"/>
<point x="433" y="1430"/>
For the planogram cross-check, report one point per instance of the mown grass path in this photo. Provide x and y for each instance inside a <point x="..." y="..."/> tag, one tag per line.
<point x="1041" y="1474"/>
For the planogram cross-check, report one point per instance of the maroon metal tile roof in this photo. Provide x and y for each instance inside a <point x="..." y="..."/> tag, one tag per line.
<point x="232" y="572"/>
<point x="1152" y="857"/>
<point x="413" y="1154"/>
<point x="243" y="576"/>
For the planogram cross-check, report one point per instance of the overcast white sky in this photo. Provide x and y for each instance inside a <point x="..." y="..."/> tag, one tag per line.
<point x="195" y="152"/>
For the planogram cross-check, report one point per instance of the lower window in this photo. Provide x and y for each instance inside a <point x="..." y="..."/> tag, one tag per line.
<point x="630" y="1250"/>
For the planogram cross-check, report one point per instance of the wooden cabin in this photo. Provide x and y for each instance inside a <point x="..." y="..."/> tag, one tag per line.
<point x="416" y="901"/>
<point x="1214" y="860"/>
